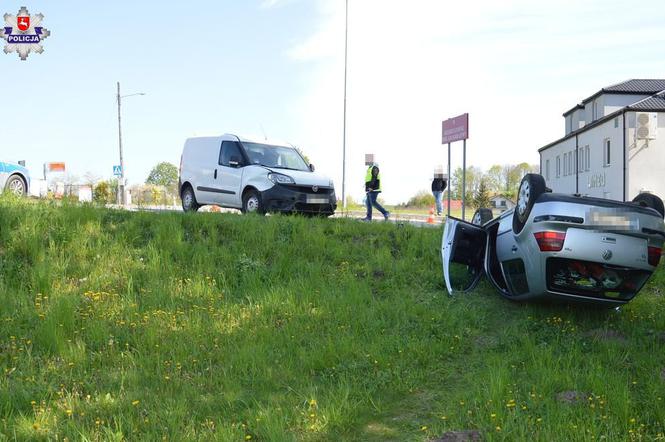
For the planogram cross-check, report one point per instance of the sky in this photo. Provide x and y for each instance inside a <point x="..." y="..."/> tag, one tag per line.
<point x="276" y="67"/>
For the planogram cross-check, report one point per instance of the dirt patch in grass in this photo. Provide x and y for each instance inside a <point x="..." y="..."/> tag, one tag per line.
<point x="459" y="436"/>
<point x="606" y="335"/>
<point x="378" y="274"/>
<point x="571" y="397"/>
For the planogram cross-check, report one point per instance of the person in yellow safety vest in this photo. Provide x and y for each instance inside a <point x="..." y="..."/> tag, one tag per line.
<point x="372" y="189"/>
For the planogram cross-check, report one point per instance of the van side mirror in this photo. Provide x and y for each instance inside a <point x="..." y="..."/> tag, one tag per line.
<point x="311" y="167"/>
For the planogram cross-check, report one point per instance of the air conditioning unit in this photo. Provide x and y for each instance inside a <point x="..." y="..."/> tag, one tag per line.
<point x="646" y="125"/>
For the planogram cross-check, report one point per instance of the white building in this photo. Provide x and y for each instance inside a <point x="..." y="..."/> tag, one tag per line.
<point x="501" y="203"/>
<point x="611" y="148"/>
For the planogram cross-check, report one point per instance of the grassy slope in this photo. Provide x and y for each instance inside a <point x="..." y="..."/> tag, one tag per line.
<point x="222" y="327"/>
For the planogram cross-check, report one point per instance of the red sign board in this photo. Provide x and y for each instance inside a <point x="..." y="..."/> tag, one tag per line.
<point x="55" y="167"/>
<point x="456" y="129"/>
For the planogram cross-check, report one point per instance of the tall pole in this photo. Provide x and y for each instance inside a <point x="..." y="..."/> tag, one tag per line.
<point x="464" y="179"/>
<point x="346" y="40"/>
<point x="449" y="180"/>
<point x="121" y="184"/>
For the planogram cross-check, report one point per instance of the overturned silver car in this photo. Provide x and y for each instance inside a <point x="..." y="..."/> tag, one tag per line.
<point x="557" y="246"/>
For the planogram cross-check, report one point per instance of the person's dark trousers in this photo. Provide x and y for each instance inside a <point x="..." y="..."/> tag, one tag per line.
<point x="371" y="201"/>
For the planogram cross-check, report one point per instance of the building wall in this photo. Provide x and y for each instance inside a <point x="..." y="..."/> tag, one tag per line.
<point x="578" y="120"/>
<point x="596" y="178"/>
<point x="614" y="102"/>
<point x="589" y="106"/>
<point x="562" y="181"/>
<point x="646" y="160"/>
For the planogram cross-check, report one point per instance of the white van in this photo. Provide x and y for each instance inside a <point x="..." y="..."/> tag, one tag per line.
<point x="253" y="176"/>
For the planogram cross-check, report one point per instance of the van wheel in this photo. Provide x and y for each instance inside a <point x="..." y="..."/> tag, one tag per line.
<point x="531" y="187"/>
<point x="251" y="203"/>
<point x="652" y="201"/>
<point x="188" y="198"/>
<point x="481" y="216"/>
<point x="16" y="185"/>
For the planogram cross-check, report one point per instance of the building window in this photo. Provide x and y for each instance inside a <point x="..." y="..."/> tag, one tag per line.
<point x="580" y="160"/>
<point x="587" y="163"/>
<point x="571" y="162"/>
<point x="616" y="122"/>
<point x="607" y="160"/>
<point x="594" y="111"/>
<point x="547" y="170"/>
<point x="558" y="166"/>
<point x="565" y="164"/>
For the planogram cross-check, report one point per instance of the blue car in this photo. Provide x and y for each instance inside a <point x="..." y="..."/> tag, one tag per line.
<point x="14" y="178"/>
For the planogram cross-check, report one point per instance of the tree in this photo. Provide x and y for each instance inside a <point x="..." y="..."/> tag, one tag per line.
<point x="481" y="199"/>
<point x="102" y="193"/>
<point x="421" y="199"/>
<point x="511" y="180"/>
<point x="473" y="175"/>
<point x="164" y="174"/>
<point x="494" y="179"/>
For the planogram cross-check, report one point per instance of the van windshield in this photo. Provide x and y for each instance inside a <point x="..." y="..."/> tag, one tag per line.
<point x="279" y="157"/>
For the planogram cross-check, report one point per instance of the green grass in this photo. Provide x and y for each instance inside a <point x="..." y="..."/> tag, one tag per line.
<point x="144" y="326"/>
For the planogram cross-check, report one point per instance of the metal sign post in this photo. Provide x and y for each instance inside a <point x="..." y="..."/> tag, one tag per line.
<point x="463" y="178"/>
<point x="449" y="179"/>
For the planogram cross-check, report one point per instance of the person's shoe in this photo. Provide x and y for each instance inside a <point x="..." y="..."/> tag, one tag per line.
<point x="367" y="220"/>
<point x="386" y="216"/>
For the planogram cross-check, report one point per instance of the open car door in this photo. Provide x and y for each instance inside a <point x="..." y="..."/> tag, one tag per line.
<point x="463" y="254"/>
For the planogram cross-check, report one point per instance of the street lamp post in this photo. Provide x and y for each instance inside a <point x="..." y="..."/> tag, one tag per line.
<point x="121" y="185"/>
<point x="346" y="39"/>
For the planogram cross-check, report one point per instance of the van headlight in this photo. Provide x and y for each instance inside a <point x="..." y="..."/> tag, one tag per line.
<point x="279" y="178"/>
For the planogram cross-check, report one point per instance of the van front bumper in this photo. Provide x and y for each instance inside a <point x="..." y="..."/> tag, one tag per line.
<point x="289" y="198"/>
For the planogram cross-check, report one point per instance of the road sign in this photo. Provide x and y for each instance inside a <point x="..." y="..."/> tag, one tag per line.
<point x="456" y="129"/>
<point x="117" y="170"/>
<point x="54" y="167"/>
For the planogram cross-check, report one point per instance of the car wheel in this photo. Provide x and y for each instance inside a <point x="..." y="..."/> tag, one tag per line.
<point x="481" y="216"/>
<point x="188" y="198"/>
<point x="531" y="187"/>
<point x="251" y="203"/>
<point x="650" y="200"/>
<point x="16" y="185"/>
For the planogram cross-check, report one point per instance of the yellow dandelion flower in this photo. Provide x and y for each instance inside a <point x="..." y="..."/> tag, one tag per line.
<point x="135" y="403"/>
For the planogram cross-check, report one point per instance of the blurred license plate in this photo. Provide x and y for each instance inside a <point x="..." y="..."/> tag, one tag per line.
<point x="316" y="200"/>
<point x="615" y="220"/>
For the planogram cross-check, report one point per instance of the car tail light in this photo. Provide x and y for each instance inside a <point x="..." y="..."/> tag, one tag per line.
<point x="654" y="255"/>
<point x="550" y="241"/>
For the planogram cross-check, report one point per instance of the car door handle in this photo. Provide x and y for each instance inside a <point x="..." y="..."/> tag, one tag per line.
<point x="513" y="249"/>
<point x="215" y="173"/>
